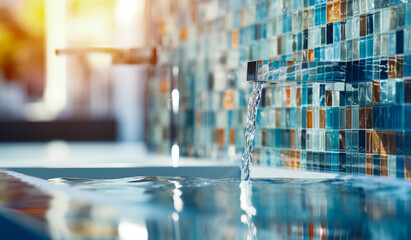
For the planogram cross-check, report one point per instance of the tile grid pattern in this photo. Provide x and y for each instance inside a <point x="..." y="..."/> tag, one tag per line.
<point x="362" y="130"/>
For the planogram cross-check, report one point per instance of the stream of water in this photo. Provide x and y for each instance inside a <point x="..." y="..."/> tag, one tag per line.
<point x="253" y="103"/>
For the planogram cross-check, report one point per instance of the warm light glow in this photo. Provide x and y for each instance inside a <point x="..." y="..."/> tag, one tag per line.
<point x="178" y="202"/>
<point x="56" y="82"/>
<point x="126" y="10"/>
<point x="175" y="98"/>
<point x="175" y="155"/>
<point x="130" y="230"/>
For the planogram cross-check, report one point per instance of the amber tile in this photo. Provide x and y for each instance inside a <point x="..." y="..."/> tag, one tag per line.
<point x="219" y="137"/>
<point x="336" y="12"/>
<point x="368" y="144"/>
<point x="363" y="25"/>
<point x="288" y="93"/>
<point x="298" y="159"/>
<point x="384" y="170"/>
<point x="322" y="118"/>
<point x="232" y="136"/>
<point x="228" y="100"/>
<point x="407" y="168"/>
<point x="392" y="67"/>
<point x="376" y="92"/>
<point x="310" y="55"/>
<point x="329" y="98"/>
<point x="383" y="142"/>
<point x="183" y="33"/>
<point x="234" y="38"/>
<point x="376" y="142"/>
<point x="333" y="11"/>
<point x="399" y="65"/>
<point x="368" y="117"/>
<point x="343" y="9"/>
<point x="277" y="117"/>
<point x="243" y="17"/>
<point x="299" y="96"/>
<point x="361" y="123"/>
<point x="348" y="118"/>
<point x="309" y="118"/>
<point x="391" y="142"/>
<point x="368" y="165"/>
<point x="292" y="138"/>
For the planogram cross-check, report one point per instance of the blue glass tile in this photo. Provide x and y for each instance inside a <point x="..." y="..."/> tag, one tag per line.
<point x="329" y="33"/>
<point x="408" y="15"/>
<point x="324" y="14"/>
<point x="400" y="42"/>
<point x="342" y="163"/>
<point x="400" y="166"/>
<point x="407" y="65"/>
<point x="349" y="8"/>
<point x="354" y="163"/>
<point x="383" y="68"/>
<point x="336" y="32"/>
<point x="370" y="24"/>
<point x="392" y="40"/>
<point x="376" y="165"/>
<point x="334" y="162"/>
<point x="361" y="163"/>
<point x="305" y="39"/>
<point x="399" y="143"/>
<point x="363" y="47"/>
<point x="407" y="112"/>
<point x="376" y="117"/>
<point x="407" y="143"/>
<point x="370" y="46"/>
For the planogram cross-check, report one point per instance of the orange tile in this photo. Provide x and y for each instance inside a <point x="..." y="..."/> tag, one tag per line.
<point x="292" y="138"/>
<point x="322" y="118"/>
<point x="299" y="96"/>
<point x="243" y="17"/>
<point x="219" y="136"/>
<point x="376" y="142"/>
<point x="376" y="92"/>
<point x="343" y="7"/>
<point x="384" y="170"/>
<point x="183" y="33"/>
<point x="368" y="142"/>
<point x="309" y="118"/>
<point x="277" y="117"/>
<point x="348" y="118"/>
<point x="310" y="55"/>
<point x="228" y="101"/>
<point x="234" y="38"/>
<point x="232" y="136"/>
<point x="333" y="11"/>
<point x="336" y="12"/>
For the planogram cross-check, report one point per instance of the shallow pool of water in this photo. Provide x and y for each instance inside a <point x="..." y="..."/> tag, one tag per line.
<point x="195" y="208"/>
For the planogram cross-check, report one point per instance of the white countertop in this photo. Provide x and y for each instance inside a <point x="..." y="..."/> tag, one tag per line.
<point x="110" y="155"/>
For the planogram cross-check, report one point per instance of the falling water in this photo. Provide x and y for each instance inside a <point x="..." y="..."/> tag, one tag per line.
<point x="246" y="159"/>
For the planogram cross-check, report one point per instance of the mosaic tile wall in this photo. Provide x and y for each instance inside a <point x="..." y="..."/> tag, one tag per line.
<point x="362" y="129"/>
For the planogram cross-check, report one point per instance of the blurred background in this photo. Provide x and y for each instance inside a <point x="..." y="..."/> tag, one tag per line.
<point x="78" y="97"/>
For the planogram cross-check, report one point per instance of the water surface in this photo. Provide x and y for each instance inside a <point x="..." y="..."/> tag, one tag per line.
<point x="195" y="208"/>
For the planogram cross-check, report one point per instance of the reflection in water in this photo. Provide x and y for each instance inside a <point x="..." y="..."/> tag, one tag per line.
<point x="246" y="204"/>
<point x="193" y="208"/>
